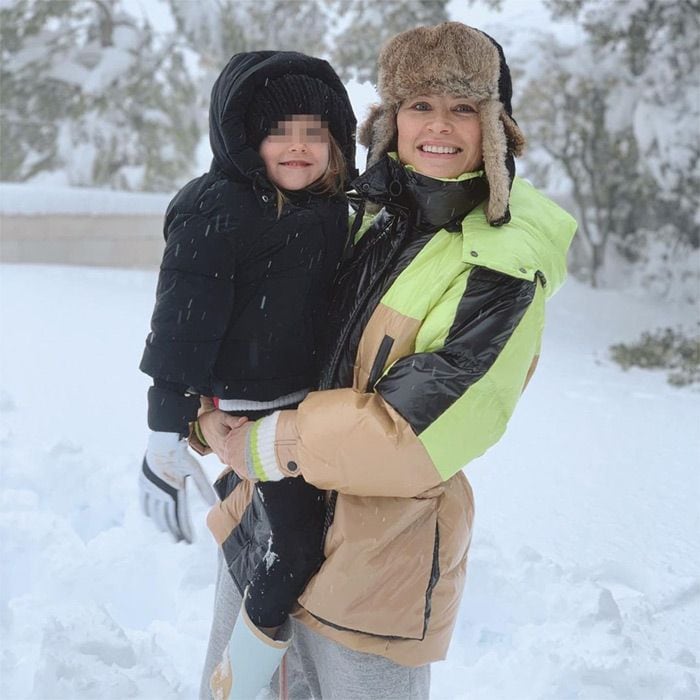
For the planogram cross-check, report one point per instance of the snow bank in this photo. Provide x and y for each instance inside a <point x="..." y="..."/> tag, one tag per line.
<point x="36" y="200"/>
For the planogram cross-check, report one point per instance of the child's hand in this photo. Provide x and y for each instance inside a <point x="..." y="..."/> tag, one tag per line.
<point x="215" y="426"/>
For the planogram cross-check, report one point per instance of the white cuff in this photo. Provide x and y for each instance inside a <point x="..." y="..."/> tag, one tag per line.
<point x="261" y="458"/>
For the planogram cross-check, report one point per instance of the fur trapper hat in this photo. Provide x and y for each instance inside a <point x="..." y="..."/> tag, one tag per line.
<point x="454" y="59"/>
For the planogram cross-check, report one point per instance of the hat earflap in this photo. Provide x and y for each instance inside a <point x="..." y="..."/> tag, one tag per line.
<point x="378" y="132"/>
<point x="514" y="137"/>
<point x="501" y="140"/>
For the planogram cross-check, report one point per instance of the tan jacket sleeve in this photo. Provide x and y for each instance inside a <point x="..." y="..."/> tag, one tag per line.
<point x="354" y="443"/>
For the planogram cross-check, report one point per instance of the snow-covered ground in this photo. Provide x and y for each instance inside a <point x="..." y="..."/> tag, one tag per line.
<point x="584" y="579"/>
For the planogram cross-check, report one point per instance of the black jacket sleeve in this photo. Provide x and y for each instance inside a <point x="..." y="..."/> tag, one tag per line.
<point x="194" y="302"/>
<point x="171" y="407"/>
<point x="423" y="386"/>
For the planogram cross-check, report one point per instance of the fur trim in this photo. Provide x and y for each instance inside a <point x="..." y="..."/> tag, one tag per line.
<point x="516" y="140"/>
<point x="493" y="140"/>
<point x="378" y="132"/>
<point x="365" y="130"/>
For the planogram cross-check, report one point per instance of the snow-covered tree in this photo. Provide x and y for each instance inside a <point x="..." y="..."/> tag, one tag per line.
<point x="30" y="104"/>
<point x="653" y="47"/>
<point x="368" y="24"/>
<point x="216" y="29"/>
<point x="618" y="118"/>
<point x="565" y="113"/>
<point x="348" y="32"/>
<point x="88" y="92"/>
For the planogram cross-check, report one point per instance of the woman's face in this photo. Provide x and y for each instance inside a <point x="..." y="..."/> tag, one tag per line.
<point x="439" y="135"/>
<point x="296" y="152"/>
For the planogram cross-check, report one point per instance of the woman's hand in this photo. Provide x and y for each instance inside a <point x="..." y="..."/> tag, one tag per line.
<point x="215" y="426"/>
<point x="234" y="450"/>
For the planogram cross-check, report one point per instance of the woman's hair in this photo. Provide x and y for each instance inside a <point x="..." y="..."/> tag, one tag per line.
<point x="332" y="181"/>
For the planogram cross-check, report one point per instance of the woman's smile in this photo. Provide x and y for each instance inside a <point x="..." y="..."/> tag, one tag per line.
<point x="431" y="150"/>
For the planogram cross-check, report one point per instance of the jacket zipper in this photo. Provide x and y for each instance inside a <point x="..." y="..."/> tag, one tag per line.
<point x="332" y="365"/>
<point x="379" y="361"/>
<point x="432" y="582"/>
<point x="434" y="578"/>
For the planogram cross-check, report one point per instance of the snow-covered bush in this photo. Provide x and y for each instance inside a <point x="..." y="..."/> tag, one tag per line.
<point x="666" y="348"/>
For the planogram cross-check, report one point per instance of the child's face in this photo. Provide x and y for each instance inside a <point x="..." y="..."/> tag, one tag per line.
<point x="296" y="152"/>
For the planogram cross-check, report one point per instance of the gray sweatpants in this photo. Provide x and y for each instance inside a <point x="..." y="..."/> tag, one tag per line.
<point x="316" y="668"/>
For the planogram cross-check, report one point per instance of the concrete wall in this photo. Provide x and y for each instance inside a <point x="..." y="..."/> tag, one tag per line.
<point x="112" y="240"/>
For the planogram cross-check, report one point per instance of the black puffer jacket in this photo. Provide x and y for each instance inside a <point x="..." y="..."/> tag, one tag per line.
<point x="242" y="294"/>
<point x="415" y="207"/>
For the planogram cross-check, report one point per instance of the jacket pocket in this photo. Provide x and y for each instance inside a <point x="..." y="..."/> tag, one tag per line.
<point x="380" y="568"/>
<point x="379" y="361"/>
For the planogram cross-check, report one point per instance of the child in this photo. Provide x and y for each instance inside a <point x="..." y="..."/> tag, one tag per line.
<point x="251" y="249"/>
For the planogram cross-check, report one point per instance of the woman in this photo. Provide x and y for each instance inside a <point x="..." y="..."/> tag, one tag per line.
<point x="437" y="322"/>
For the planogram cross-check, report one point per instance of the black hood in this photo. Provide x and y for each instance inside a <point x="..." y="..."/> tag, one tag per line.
<point x="231" y="97"/>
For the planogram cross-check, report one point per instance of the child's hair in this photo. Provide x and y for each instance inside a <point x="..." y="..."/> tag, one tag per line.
<point x="332" y="181"/>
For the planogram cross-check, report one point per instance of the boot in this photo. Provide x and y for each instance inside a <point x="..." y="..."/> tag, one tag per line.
<point x="249" y="661"/>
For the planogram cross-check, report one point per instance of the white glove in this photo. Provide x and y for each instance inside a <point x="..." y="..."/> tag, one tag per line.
<point x="162" y="490"/>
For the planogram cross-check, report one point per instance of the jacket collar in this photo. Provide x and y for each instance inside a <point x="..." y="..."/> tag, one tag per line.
<point x="431" y="203"/>
<point x="533" y="244"/>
